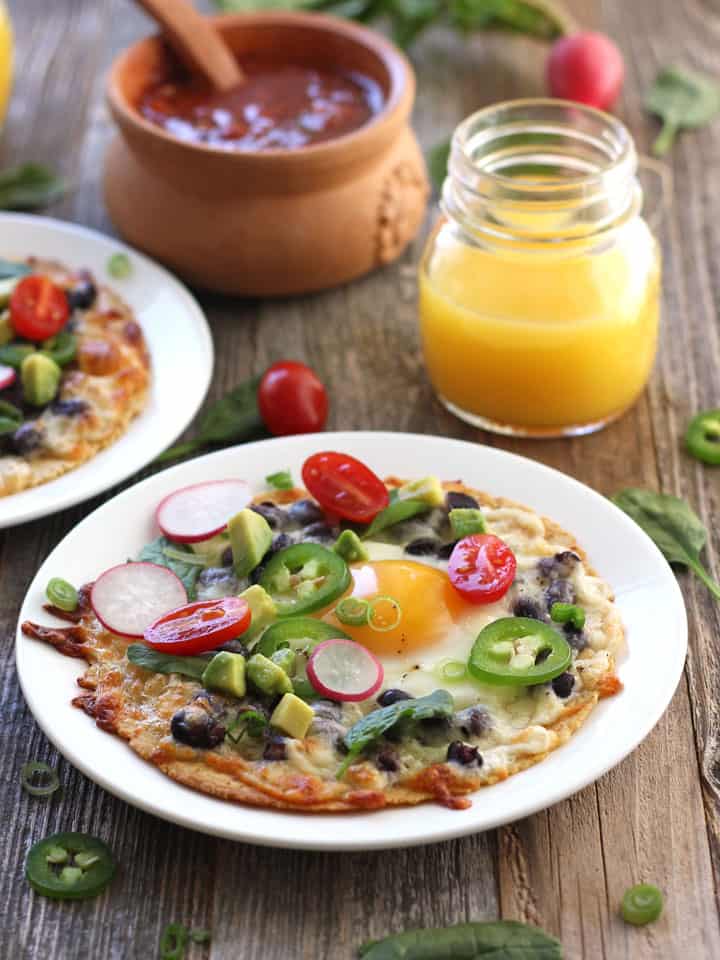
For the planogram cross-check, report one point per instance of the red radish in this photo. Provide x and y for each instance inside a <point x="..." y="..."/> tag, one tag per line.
<point x="128" y="598"/>
<point x="199" y="512"/>
<point x="7" y="376"/>
<point x="344" y="670"/>
<point x="586" y="67"/>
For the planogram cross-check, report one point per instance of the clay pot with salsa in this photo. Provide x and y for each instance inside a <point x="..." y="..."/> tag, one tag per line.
<point x="304" y="177"/>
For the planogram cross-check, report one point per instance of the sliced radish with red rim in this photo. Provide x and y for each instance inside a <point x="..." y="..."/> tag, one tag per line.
<point x="202" y="510"/>
<point x="344" y="670"/>
<point x="128" y="598"/>
<point x="7" y="376"/>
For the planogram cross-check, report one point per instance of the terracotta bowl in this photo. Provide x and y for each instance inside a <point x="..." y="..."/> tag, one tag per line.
<point x="280" y="222"/>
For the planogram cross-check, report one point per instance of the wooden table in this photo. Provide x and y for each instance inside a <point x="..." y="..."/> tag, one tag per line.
<point x="656" y="817"/>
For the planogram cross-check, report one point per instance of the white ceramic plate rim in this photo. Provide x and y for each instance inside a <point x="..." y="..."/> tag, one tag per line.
<point x="181" y="351"/>
<point x="648" y="596"/>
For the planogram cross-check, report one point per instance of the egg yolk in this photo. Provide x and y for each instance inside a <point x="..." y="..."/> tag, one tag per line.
<point x="428" y="602"/>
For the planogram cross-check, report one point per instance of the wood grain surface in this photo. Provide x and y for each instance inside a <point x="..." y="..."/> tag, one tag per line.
<point x="655" y="818"/>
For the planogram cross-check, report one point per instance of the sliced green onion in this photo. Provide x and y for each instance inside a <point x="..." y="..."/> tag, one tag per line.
<point x="173" y="942"/>
<point x="200" y="936"/>
<point x="375" y="619"/>
<point x="353" y="611"/>
<point x="119" y="266"/>
<point x="62" y="594"/>
<point x="641" y="904"/>
<point x="35" y="771"/>
<point x="568" y="613"/>
<point x="282" y="480"/>
<point x="452" y="670"/>
<point x="185" y="556"/>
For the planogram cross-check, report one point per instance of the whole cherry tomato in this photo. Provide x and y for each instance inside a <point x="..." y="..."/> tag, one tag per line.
<point x="586" y="67"/>
<point x="292" y="399"/>
<point x="482" y="568"/>
<point x="200" y="626"/>
<point x="345" y="486"/>
<point x="38" y="308"/>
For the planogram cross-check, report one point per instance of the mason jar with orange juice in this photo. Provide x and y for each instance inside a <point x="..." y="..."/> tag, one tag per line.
<point x="539" y="288"/>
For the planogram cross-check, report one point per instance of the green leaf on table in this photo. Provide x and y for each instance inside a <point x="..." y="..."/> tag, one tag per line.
<point x="544" y="20"/>
<point x="492" y="940"/>
<point x="186" y="570"/>
<point x="673" y="525"/>
<point x="29" y="187"/>
<point x="683" y="99"/>
<point x="158" y="662"/>
<point x="437" y="161"/>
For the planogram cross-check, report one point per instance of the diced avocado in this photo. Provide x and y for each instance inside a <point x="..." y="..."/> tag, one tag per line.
<point x="250" y="539"/>
<point x="6" y="331"/>
<point x="285" y="658"/>
<point x="40" y="379"/>
<point x="225" y="672"/>
<point x="262" y="610"/>
<point x="428" y="489"/>
<point x="6" y="288"/>
<point x="350" y="547"/>
<point x="465" y="521"/>
<point x="293" y="716"/>
<point x="267" y="676"/>
<point x="211" y="550"/>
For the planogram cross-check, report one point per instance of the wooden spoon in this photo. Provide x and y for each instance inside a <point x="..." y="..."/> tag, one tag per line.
<point x="196" y="41"/>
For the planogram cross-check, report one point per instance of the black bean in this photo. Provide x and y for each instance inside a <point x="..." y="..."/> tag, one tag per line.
<point x="559" y="566"/>
<point x="82" y="295"/>
<point x="527" y="607"/>
<point x="275" y="749"/>
<point x="210" y="576"/>
<point x="226" y="558"/>
<point x="464" y="753"/>
<point x="255" y="575"/>
<point x="422" y="547"/>
<point x="318" y="531"/>
<point x="280" y="542"/>
<point x="445" y="549"/>
<point x="305" y="512"/>
<point x="575" y="637"/>
<point x="26" y="439"/>
<point x="563" y="685"/>
<point x="275" y="515"/>
<point x="69" y="408"/>
<point x="388" y="760"/>
<point x="474" y="721"/>
<point x="196" y="727"/>
<point x="559" y="591"/>
<point x="392" y="695"/>
<point x="460" y="501"/>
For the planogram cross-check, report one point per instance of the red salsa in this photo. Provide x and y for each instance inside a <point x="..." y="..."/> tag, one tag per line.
<point x="278" y="107"/>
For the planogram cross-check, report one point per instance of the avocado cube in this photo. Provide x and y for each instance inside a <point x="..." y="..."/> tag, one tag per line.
<point x="350" y="547"/>
<point x="285" y="658"/>
<point x="40" y="379"/>
<point x="267" y="676"/>
<point x="226" y="673"/>
<point x="262" y="610"/>
<point x="250" y="539"/>
<point x="464" y="521"/>
<point x="293" y="716"/>
<point x="428" y="489"/>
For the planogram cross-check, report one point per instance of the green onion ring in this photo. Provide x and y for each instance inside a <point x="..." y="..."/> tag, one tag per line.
<point x="452" y="670"/>
<point x="37" y="768"/>
<point x="173" y="942"/>
<point x="389" y="626"/>
<point x="353" y="611"/>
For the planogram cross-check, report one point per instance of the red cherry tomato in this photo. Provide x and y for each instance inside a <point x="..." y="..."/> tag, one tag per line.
<point x="482" y="568"/>
<point x="38" y="308"/>
<point x="586" y="67"/>
<point x="200" y="626"/>
<point x="292" y="399"/>
<point x="344" y="486"/>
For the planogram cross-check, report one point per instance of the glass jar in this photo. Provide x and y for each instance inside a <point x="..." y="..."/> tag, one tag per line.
<point x="540" y="285"/>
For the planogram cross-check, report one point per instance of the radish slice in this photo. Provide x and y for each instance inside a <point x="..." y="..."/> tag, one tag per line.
<point x="344" y="670"/>
<point x="128" y="598"/>
<point x="199" y="512"/>
<point x="7" y="376"/>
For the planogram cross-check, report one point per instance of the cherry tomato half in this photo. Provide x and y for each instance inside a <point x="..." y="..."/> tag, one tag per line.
<point x="200" y="626"/>
<point x="38" y="308"/>
<point x="482" y="568"/>
<point x="344" y="486"/>
<point x="292" y="399"/>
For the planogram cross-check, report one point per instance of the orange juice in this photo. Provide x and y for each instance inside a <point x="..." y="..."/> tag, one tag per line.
<point x="6" y="59"/>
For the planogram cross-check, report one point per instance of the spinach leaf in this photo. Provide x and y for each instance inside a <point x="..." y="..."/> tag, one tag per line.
<point x="248" y="722"/>
<point x="13" y="354"/>
<point x="543" y="20"/>
<point x="235" y="417"/>
<point x="282" y="480"/>
<point x="158" y="662"/>
<point x="10" y="417"/>
<point x="493" y="940"/>
<point x="396" y="512"/>
<point x="29" y="187"/>
<point x="374" y="724"/>
<point x="673" y="525"/>
<point x="9" y="269"/>
<point x="186" y="570"/>
<point x="683" y="99"/>
<point x="437" y="161"/>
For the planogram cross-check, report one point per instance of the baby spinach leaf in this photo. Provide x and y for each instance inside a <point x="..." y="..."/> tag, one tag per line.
<point x="437" y="161"/>
<point x="375" y="724"/>
<point x="236" y="417"/>
<point x="683" y="99"/>
<point x="673" y="525"/>
<point x="248" y="722"/>
<point x="544" y="20"/>
<point x="29" y="187"/>
<point x="492" y="940"/>
<point x="396" y="512"/>
<point x="186" y="570"/>
<point x="282" y="480"/>
<point x="10" y="269"/>
<point x="159" y="662"/>
<point x="10" y="417"/>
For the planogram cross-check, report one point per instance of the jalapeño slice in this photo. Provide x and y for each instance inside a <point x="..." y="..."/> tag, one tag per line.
<point x="304" y="578"/>
<point x="518" y="651"/>
<point x="69" y="866"/>
<point x="703" y="436"/>
<point x="297" y="633"/>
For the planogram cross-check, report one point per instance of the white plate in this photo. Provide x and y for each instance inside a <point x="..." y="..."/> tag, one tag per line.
<point x="647" y="594"/>
<point x="180" y="347"/>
